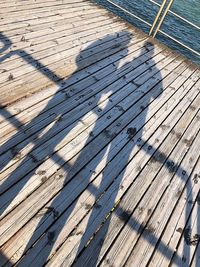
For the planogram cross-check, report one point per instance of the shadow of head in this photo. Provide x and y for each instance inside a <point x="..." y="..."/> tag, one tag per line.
<point x="153" y="72"/>
<point x="104" y="48"/>
<point x="149" y="46"/>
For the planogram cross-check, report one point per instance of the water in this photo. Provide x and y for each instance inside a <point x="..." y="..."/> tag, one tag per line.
<point x="187" y="34"/>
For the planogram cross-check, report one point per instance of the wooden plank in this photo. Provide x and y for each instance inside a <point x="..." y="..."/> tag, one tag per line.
<point x="61" y="20"/>
<point x="22" y="2"/>
<point x="14" y="8"/>
<point x="39" y="21"/>
<point x="110" y="88"/>
<point x="32" y="35"/>
<point x="37" y="44"/>
<point x="49" y="56"/>
<point x="112" y="77"/>
<point x="40" y="81"/>
<point x="29" y="231"/>
<point x="39" y="11"/>
<point x="26" y="16"/>
<point x="42" y="35"/>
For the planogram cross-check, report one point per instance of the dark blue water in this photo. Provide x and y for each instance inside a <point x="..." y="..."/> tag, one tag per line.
<point x="187" y="34"/>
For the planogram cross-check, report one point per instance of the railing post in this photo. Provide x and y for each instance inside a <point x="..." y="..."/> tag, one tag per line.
<point x="157" y="16"/>
<point x="163" y="17"/>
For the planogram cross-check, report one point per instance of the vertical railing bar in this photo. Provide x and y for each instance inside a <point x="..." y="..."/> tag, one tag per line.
<point x="157" y="17"/>
<point x="163" y="17"/>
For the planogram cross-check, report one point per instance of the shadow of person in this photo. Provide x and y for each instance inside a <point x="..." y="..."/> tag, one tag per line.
<point x="100" y="212"/>
<point x="69" y="117"/>
<point x="114" y="174"/>
<point x="131" y="115"/>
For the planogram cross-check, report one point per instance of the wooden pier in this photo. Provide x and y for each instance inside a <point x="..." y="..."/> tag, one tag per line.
<point x="99" y="141"/>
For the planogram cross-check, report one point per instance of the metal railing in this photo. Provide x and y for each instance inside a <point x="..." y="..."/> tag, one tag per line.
<point x="158" y="21"/>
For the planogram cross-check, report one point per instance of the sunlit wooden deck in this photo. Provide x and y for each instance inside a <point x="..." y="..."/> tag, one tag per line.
<point x="99" y="141"/>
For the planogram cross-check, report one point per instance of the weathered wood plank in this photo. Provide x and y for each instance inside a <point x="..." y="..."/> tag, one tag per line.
<point x="44" y="10"/>
<point x="60" y="21"/>
<point x="20" y="88"/>
<point x="36" y="5"/>
<point x="53" y="34"/>
<point x="46" y="57"/>
<point x="39" y="21"/>
<point x="45" y="13"/>
<point x="36" y="51"/>
<point x="196" y="258"/>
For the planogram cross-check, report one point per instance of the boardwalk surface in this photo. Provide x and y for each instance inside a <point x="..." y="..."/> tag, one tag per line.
<point x="99" y="143"/>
